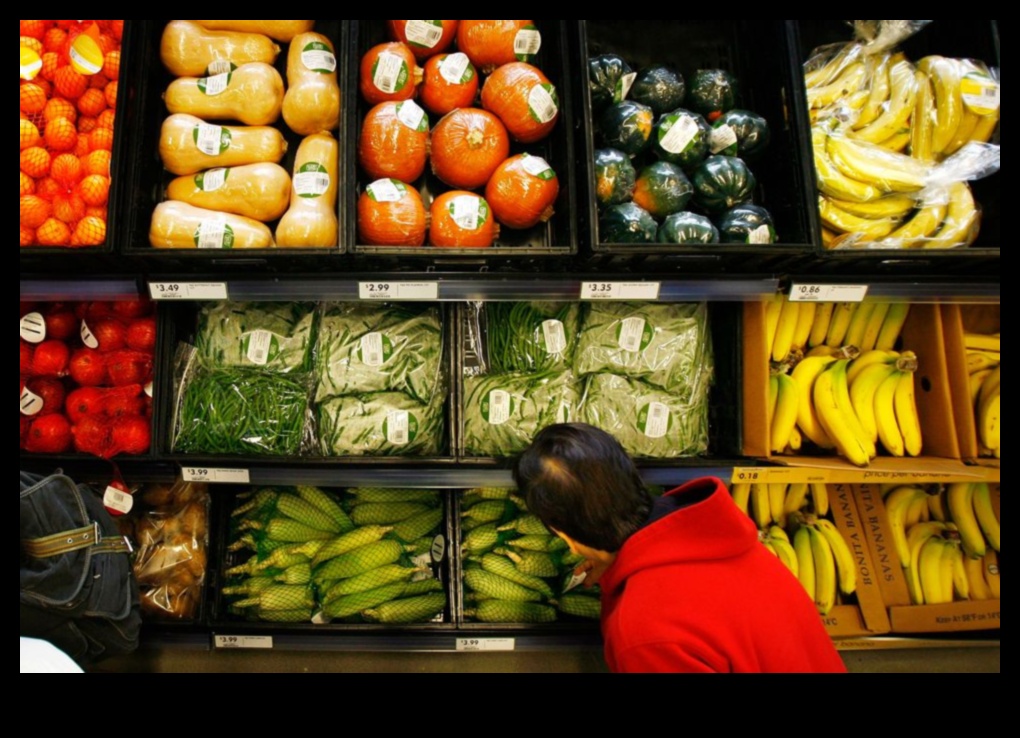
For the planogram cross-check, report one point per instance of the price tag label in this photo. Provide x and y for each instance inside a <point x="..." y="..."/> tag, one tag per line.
<point x="33" y="328"/>
<point x="620" y="290"/>
<point x="485" y="644"/>
<point x="188" y="290"/>
<point x="215" y="476"/>
<point x="780" y="475"/>
<point x="413" y="291"/>
<point x="118" y="501"/>
<point x="828" y="292"/>
<point x="264" y="643"/>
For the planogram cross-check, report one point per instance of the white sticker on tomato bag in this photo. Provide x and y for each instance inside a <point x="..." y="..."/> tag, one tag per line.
<point x="424" y="32"/>
<point x="372" y="349"/>
<point x="117" y="501"/>
<point x="527" y="42"/>
<point x="542" y="104"/>
<point x="260" y="343"/>
<point x="632" y="331"/>
<point x="384" y="190"/>
<point x="410" y="114"/>
<point x="657" y="422"/>
<point x="388" y="71"/>
<point x="555" y="337"/>
<point x="678" y="138"/>
<point x="723" y="138"/>
<point x="317" y="57"/>
<point x="87" y="337"/>
<point x="31" y="403"/>
<point x="209" y="139"/>
<point x="499" y="407"/>
<point x="465" y="212"/>
<point x="33" y="328"/>
<point x="454" y="67"/>
<point x="536" y="166"/>
<point x="214" y="85"/>
<point x="397" y="428"/>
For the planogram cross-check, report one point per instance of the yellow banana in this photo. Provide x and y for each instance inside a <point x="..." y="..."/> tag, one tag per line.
<point x="937" y="506"/>
<point x="761" y="511"/>
<point x="845" y="564"/>
<point x="978" y="361"/>
<point x="897" y="504"/>
<point x="787" y="554"/>
<point x="775" y="533"/>
<point x="784" y="419"/>
<point x="886" y="170"/>
<point x="805" y="322"/>
<point x="917" y="537"/>
<point x="836" y="414"/>
<point x="961" y="582"/>
<point x="986" y="128"/>
<point x="979" y="591"/>
<point x="820" y="499"/>
<point x="769" y="547"/>
<point x="893" y="327"/>
<point x="862" y="395"/>
<point x="985" y="514"/>
<point x="930" y="572"/>
<point x="895" y="207"/>
<point x="961" y="509"/>
<point x="741" y="494"/>
<point x="796" y="442"/>
<point x="869" y="359"/>
<point x="962" y="219"/>
<point x="906" y="415"/>
<point x="804" y="375"/>
<point x="832" y="182"/>
<point x="805" y="560"/>
<point x="832" y="69"/>
<point x="916" y="511"/>
<point x="777" y="496"/>
<point x="822" y="352"/>
<point x="889" y="432"/>
<point x="991" y="566"/>
<point x="796" y="498"/>
<point x="948" y="571"/>
<point x="825" y="571"/>
<point x="922" y="128"/>
<point x="926" y="221"/>
<point x="773" y="398"/>
<point x="844" y="222"/>
<point x="946" y="78"/>
<point x="874" y="327"/>
<point x="971" y="76"/>
<point x="965" y="133"/>
<point x="847" y="83"/>
<point x="782" y="344"/>
<point x="841" y="318"/>
<point x="895" y="119"/>
<point x="773" y="309"/>
<point x="820" y="328"/>
<point x="989" y="411"/>
<point x="897" y="143"/>
<point x="878" y="77"/>
<point x="859" y="324"/>
<point x="977" y="380"/>
<point x="981" y="342"/>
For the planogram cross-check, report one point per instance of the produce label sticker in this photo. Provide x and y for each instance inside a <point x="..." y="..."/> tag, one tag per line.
<point x="655" y="420"/>
<point x="400" y="427"/>
<point x="212" y="180"/>
<point x="497" y="407"/>
<point x="536" y="166"/>
<point x="469" y="212"/>
<point x="724" y="139"/>
<point x="376" y="349"/>
<point x="555" y="337"/>
<point x="575" y="581"/>
<point x="763" y="234"/>
<point x="260" y="347"/>
<point x="980" y="93"/>
<point x="411" y="115"/>
<point x="31" y="403"/>
<point x="86" y="56"/>
<point x="211" y="140"/>
<point x="318" y="57"/>
<point x="220" y="66"/>
<point x="527" y="43"/>
<point x="634" y="334"/>
<point x="828" y="292"/>
<point x="117" y="501"/>
<point x="87" y="337"/>
<point x="676" y="134"/>
<point x="438" y="551"/>
<point x="424" y="33"/>
<point x="33" y="328"/>
<point x="468" y="645"/>
<point x="188" y="290"/>
<point x="389" y="73"/>
<point x="215" y="476"/>
<point x="543" y="104"/>
<point x="620" y="290"/>
<point x="214" y="233"/>
<point x="386" y="190"/>
<point x="456" y="69"/>
<point x="311" y="180"/>
<point x="623" y="87"/>
<point x="31" y="64"/>
<point x="243" y="642"/>
<point x="148" y="390"/>
<point x="214" y="85"/>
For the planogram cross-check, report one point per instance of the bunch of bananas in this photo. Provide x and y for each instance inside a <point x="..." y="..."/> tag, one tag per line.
<point x="983" y="366"/>
<point x="947" y="541"/>
<point x="793" y="527"/>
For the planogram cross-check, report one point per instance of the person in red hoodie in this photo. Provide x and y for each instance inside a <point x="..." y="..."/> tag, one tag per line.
<point x="686" y="585"/>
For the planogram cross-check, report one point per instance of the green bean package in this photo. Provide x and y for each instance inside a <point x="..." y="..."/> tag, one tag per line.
<point x="366" y="348"/>
<point x="648" y="422"/>
<point x="382" y="424"/>
<point x="502" y="413"/>
<point x="276" y="337"/>
<point x="530" y="336"/>
<point x="665" y="345"/>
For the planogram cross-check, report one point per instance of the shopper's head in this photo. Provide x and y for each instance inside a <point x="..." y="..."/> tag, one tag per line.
<point x="580" y="482"/>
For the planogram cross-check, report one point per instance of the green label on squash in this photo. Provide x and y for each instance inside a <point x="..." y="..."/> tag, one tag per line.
<point x="400" y="428"/>
<point x="389" y="73"/>
<point x="375" y="350"/>
<point x="468" y="212"/>
<point x="260" y="347"/>
<point x="543" y="103"/>
<point x="498" y="407"/>
<point x="677" y="132"/>
<point x="724" y="140"/>
<point x="211" y="140"/>
<point x="216" y="84"/>
<point x="456" y="69"/>
<point x="387" y="190"/>
<point x="411" y="115"/>
<point x="212" y="180"/>
<point x="214" y="233"/>
<point x="634" y="334"/>
<point x="220" y="66"/>
<point x="311" y="180"/>
<point x="424" y="34"/>
<point x="527" y="43"/>
<point x="655" y="420"/>
<point x="318" y="57"/>
<point x="536" y="166"/>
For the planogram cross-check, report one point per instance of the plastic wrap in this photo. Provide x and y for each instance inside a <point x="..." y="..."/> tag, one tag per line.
<point x="391" y="214"/>
<point x="274" y="337"/>
<point x="381" y="424"/>
<point x="527" y="336"/>
<point x="615" y="177"/>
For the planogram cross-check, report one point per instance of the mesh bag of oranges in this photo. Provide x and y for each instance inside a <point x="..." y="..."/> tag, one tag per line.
<point x="69" y="77"/>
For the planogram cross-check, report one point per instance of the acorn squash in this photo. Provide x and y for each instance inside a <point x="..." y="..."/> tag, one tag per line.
<point x="688" y="228"/>
<point x="609" y="81"/>
<point x="663" y="189"/>
<point x="712" y="92"/>
<point x="682" y="137"/>
<point x="627" y="223"/>
<point x="615" y="177"/>
<point x="627" y="126"/>
<point x="722" y="182"/>
<point x="740" y="133"/>
<point x="748" y="224"/>
<point x="659" y="87"/>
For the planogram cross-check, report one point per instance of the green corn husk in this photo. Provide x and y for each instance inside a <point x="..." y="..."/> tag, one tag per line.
<point x="360" y="561"/>
<point x="501" y="611"/>
<point x="581" y="606"/>
<point x="418" y="496"/>
<point x="328" y="505"/>
<point x="285" y="530"/>
<point x="543" y="544"/>
<point x="504" y="567"/>
<point x="526" y="525"/>
<point x="418" y="526"/>
<point x="411" y="610"/>
<point x="350" y="605"/>
<point x="495" y="511"/>
<point x="385" y="513"/>
<point x="348" y="542"/>
<point x="381" y="577"/>
<point x="280" y="597"/>
<point x="536" y="564"/>
<point x="493" y="585"/>
<point x="481" y="540"/>
<point x="308" y="514"/>
<point x="249" y="587"/>
<point x="283" y="616"/>
<point x="257" y="504"/>
<point x="425" y="586"/>
<point x="489" y="493"/>
<point x="299" y="574"/>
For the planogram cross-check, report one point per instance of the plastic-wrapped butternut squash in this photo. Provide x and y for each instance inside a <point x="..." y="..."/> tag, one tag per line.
<point x="251" y="94"/>
<point x="257" y="191"/>
<point x="189" y="50"/>
<point x="312" y="103"/>
<point x="281" y="30"/>
<point x="189" y="145"/>
<point x="177" y="225"/>
<point x="311" y="221"/>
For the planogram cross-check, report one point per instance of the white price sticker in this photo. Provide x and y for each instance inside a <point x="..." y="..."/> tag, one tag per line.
<point x="148" y="390"/>
<point x="372" y="349"/>
<point x="264" y="643"/>
<point x="722" y="138"/>
<point x="632" y="333"/>
<point x="677" y="138"/>
<point x="385" y="190"/>
<point x="486" y="644"/>
<point x="453" y="68"/>
<point x="828" y="292"/>
<point x="555" y="337"/>
<point x="188" y="290"/>
<point x="657" y="424"/>
<point x="260" y="345"/>
<point x="499" y="407"/>
<point x="397" y="428"/>
<point x="209" y="139"/>
<point x="404" y="291"/>
<point x="527" y="42"/>
<point x="212" y="180"/>
<point x="215" y="476"/>
<point x="87" y="337"/>
<point x="536" y="166"/>
<point x="575" y="581"/>
<point x="410" y="114"/>
<point x="388" y="72"/>
<point x="215" y="85"/>
<point x="620" y="290"/>
<point x="424" y="33"/>
<point x="114" y="499"/>
<point x="542" y="104"/>
<point x="33" y="328"/>
<point x="626" y="83"/>
<point x="31" y="403"/>
<point x="465" y="212"/>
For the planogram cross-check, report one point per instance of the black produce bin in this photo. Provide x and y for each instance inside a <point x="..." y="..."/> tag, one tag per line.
<point x="541" y="247"/>
<point x="146" y="180"/>
<point x="966" y="39"/>
<point x="41" y="258"/>
<point x="224" y="623"/>
<point x="756" y="53"/>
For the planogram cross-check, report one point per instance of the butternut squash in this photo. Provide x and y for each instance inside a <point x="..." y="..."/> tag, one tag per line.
<point x="312" y="103"/>
<point x="251" y="94"/>
<point x="281" y="30"/>
<point x="188" y="50"/>
<point x="189" y="145"/>
<point x="311" y="221"/>
<point x="257" y="191"/>
<point x="177" y="225"/>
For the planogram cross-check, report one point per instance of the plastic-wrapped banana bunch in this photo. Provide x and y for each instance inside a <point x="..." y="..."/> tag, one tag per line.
<point x="515" y="569"/>
<point x="947" y="541"/>
<point x="794" y="525"/>
<point x="983" y="366"/>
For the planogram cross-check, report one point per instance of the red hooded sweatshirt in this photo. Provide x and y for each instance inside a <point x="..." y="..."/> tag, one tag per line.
<point x="694" y="591"/>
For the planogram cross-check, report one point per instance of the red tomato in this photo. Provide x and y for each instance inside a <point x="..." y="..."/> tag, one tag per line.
<point x="88" y="368"/>
<point x="26" y="357"/>
<point x="61" y="325"/>
<point x="92" y="436"/>
<point x="50" y="434"/>
<point x="50" y="359"/>
<point x="121" y="402"/>
<point x="129" y="367"/>
<point x="111" y="334"/>
<point x="131" y="309"/>
<point x="83" y="402"/>
<point x="52" y="393"/>
<point x="131" y="436"/>
<point x="141" y="335"/>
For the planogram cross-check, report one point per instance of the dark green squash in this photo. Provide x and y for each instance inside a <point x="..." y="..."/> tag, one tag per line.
<point x="663" y="189"/>
<point x="627" y="126"/>
<point x="682" y="138"/>
<point x="740" y="133"/>
<point x="722" y="182"/>
<point x="627" y="223"/>
<point x="609" y="77"/>
<point x="615" y="177"/>
<point x="712" y="92"/>
<point x="688" y="228"/>
<point x="747" y="224"/>
<point x="659" y="87"/>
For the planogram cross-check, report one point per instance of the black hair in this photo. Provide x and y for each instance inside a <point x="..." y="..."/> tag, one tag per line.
<point x="579" y="480"/>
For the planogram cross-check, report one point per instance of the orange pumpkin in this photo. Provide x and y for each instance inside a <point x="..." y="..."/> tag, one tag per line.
<point x="492" y="43"/>
<point x="522" y="191"/>
<point x="425" y="38"/>
<point x="524" y="99"/>
<point x="467" y="147"/>
<point x="390" y="213"/>
<point x="450" y="82"/>
<point x="462" y="219"/>
<point x="394" y="141"/>
<point x="389" y="72"/>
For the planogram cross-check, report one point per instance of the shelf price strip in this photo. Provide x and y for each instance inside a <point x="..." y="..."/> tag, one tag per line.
<point x="828" y="292"/>
<point x="620" y="290"/>
<point x="469" y="645"/>
<point x="215" y="476"/>
<point x="180" y="291"/>
<point x="263" y="643"/>
<point x="414" y="291"/>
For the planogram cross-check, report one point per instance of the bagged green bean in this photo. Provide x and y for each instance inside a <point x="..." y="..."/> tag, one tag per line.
<point x="529" y="336"/>
<point x="382" y="424"/>
<point x="366" y="348"/>
<point x="276" y="337"/>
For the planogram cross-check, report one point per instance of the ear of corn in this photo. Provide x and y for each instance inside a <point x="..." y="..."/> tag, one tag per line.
<point x="504" y="567"/>
<point x="383" y="576"/>
<point x="283" y="616"/>
<point x="581" y="606"/>
<point x="258" y="504"/>
<point x="501" y="611"/>
<point x="385" y="513"/>
<point x="481" y="540"/>
<point x="306" y="513"/>
<point x="425" y="586"/>
<point x="410" y="610"/>
<point x="544" y="544"/>
<point x="527" y="525"/>
<point x="493" y="585"/>
<point x="328" y="505"/>
<point x="348" y="542"/>
<point x="490" y="512"/>
<point x="489" y="493"/>
<point x="299" y="574"/>
<point x="249" y="588"/>
<point x="537" y="564"/>
<point x="291" y="531"/>
<point x="360" y="561"/>
<point x="280" y="597"/>
<point x="354" y="604"/>
<point x="418" y="526"/>
<point x="418" y="496"/>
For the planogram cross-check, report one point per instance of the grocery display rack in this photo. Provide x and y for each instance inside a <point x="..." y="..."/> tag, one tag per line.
<point x="129" y="269"/>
